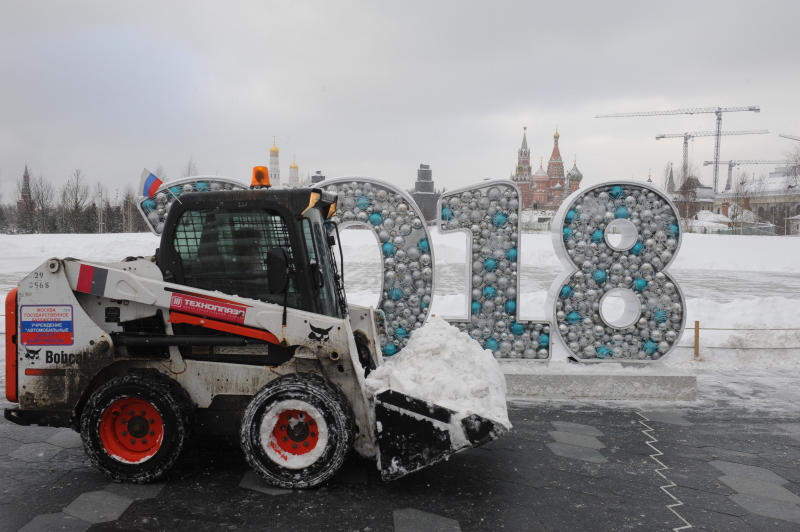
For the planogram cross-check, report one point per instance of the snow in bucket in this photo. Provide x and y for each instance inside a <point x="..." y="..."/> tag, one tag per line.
<point x="443" y="365"/>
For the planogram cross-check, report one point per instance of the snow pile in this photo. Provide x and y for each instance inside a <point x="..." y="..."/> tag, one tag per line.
<point x="443" y="365"/>
<point x="708" y="216"/>
<point x="23" y="253"/>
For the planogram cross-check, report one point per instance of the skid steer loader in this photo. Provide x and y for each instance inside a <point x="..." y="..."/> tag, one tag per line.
<point x="238" y="325"/>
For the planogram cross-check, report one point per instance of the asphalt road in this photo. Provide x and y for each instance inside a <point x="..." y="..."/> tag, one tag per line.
<point x="562" y="467"/>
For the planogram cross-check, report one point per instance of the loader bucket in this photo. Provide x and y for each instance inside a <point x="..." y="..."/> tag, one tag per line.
<point x="413" y="434"/>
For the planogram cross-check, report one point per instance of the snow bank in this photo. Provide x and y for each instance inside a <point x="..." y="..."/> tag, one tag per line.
<point x="443" y="365"/>
<point x="23" y="253"/>
<point x="698" y="251"/>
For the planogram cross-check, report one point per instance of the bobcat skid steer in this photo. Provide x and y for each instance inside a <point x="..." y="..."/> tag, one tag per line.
<point x="238" y="325"/>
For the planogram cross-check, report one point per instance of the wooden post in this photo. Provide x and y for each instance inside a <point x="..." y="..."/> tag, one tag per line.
<point x="697" y="340"/>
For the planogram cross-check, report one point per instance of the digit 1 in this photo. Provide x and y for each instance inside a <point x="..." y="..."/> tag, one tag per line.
<point x="489" y="214"/>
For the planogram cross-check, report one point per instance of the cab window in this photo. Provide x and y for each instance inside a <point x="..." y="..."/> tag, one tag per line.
<point x="227" y="252"/>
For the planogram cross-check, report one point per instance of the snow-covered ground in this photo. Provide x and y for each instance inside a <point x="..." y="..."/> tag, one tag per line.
<point x="747" y="283"/>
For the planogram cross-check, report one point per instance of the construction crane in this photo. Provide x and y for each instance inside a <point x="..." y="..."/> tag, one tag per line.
<point x="733" y="164"/>
<point x="790" y="137"/>
<point x="687" y="136"/>
<point x="695" y="111"/>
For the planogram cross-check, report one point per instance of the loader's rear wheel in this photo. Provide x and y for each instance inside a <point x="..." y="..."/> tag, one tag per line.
<point x="297" y="431"/>
<point x="133" y="428"/>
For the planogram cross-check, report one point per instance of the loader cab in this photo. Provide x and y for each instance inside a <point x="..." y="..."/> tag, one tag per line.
<point x="227" y="240"/>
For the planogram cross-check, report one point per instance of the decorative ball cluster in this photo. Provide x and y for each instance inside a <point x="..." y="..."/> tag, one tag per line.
<point x="157" y="207"/>
<point x="491" y="214"/>
<point x="620" y="237"/>
<point x="405" y="251"/>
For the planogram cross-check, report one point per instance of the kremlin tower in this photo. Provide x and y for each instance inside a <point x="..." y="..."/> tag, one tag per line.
<point x="274" y="168"/>
<point x="544" y="190"/>
<point x="294" y="175"/>
<point x="522" y="178"/>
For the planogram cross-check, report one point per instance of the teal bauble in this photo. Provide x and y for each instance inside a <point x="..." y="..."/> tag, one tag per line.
<point x="599" y="276"/>
<point x="544" y="340"/>
<point x="603" y="352"/>
<point x="363" y="203"/>
<point x="389" y="350"/>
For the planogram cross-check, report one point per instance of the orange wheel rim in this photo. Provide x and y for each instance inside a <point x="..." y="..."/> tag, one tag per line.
<point x="131" y="430"/>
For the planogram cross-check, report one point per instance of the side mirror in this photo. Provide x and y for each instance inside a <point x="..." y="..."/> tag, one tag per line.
<point x="277" y="270"/>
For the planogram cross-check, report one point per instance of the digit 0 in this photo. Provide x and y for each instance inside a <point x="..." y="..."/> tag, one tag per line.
<point x="619" y="302"/>
<point x="406" y="251"/>
<point x="489" y="215"/>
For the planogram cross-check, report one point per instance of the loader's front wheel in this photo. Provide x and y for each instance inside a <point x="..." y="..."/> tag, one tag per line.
<point x="296" y="432"/>
<point x="133" y="428"/>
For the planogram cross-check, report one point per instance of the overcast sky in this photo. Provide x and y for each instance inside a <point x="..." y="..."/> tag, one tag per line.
<point x="375" y="88"/>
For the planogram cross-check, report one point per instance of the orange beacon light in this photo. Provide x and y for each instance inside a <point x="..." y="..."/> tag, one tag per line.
<point x="260" y="177"/>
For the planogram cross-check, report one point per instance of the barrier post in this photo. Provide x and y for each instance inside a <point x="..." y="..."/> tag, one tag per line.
<point x="697" y="340"/>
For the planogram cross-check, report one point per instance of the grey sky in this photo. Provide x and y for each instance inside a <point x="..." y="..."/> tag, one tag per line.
<point x="375" y="88"/>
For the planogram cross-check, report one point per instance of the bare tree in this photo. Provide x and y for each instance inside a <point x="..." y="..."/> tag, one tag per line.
<point x="74" y="199"/>
<point x="190" y="169"/>
<point x="793" y="168"/>
<point x="43" y="199"/>
<point x="101" y="202"/>
<point x="686" y="197"/>
<point x="161" y="173"/>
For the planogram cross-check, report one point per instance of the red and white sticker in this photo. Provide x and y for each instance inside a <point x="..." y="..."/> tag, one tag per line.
<point x="209" y="308"/>
<point x="46" y="325"/>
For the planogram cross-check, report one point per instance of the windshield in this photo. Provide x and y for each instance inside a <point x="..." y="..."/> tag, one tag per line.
<point x="319" y="256"/>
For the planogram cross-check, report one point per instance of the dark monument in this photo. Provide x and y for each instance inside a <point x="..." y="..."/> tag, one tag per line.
<point x="424" y="193"/>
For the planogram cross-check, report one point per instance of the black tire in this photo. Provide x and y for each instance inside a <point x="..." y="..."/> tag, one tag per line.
<point x="147" y="404"/>
<point x="297" y="431"/>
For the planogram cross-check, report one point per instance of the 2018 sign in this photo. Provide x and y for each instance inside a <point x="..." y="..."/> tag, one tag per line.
<point x="616" y="238"/>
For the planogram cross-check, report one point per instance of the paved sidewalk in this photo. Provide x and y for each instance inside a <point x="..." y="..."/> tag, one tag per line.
<point x="563" y="467"/>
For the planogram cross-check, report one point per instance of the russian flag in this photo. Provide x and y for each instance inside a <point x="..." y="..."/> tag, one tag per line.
<point x="150" y="183"/>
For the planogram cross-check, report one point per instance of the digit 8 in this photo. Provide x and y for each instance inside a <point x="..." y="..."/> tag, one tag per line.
<point x="489" y="214"/>
<point x="618" y="238"/>
<point x="405" y="250"/>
